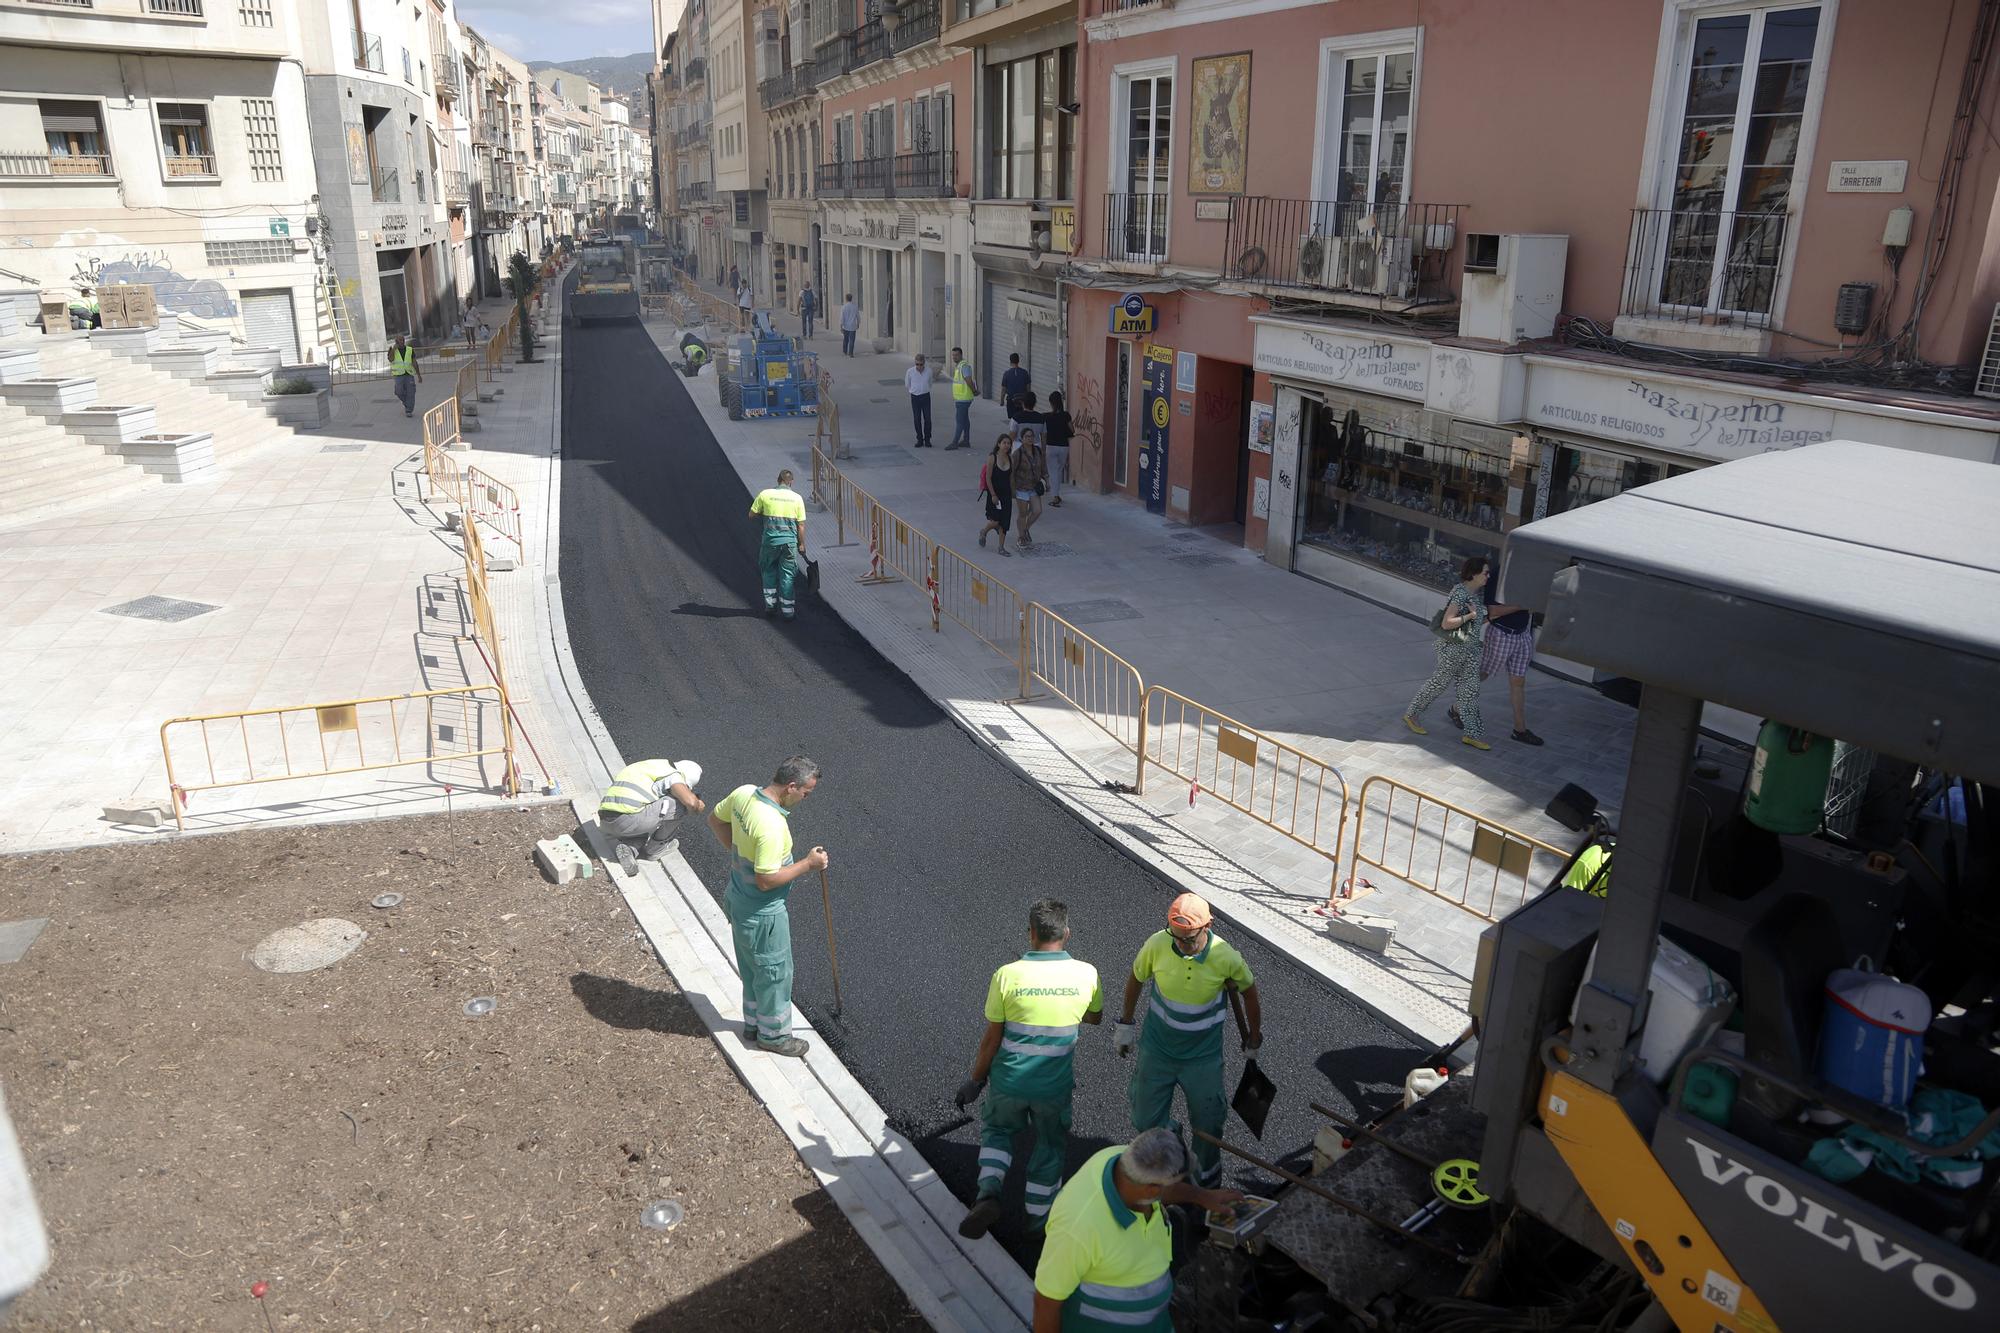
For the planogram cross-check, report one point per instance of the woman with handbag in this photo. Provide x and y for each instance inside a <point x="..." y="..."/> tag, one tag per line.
<point x="1459" y="627"/>
<point x="1029" y="486"/>
<point x="996" y="491"/>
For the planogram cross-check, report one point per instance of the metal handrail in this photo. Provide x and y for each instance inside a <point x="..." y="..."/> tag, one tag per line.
<point x="1509" y="851"/>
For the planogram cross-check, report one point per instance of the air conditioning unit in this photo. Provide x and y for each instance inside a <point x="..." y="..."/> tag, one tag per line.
<point x="1322" y="260"/>
<point x="1380" y="266"/>
<point x="1988" y="383"/>
<point x="1512" y="286"/>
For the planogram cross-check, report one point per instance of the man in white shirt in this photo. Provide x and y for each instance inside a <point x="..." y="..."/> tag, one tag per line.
<point x="918" y="381"/>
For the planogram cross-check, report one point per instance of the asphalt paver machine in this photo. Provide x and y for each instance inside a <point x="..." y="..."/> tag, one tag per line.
<point x="768" y="376"/>
<point x="1681" y="1116"/>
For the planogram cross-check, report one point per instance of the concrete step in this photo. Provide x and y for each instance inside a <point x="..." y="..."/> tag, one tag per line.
<point x="77" y="489"/>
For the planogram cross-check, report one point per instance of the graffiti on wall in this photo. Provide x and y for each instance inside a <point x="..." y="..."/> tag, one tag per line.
<point x="200" y="297"/>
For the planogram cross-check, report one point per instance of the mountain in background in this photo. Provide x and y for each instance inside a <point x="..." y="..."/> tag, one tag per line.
<point x="617" y="74"/>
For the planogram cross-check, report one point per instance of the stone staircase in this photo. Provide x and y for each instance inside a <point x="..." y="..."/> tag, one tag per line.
<point x="76" y="409"/>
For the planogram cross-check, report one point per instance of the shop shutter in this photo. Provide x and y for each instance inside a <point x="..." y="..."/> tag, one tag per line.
<point x="1040" y="358"/>
<point x="268" y="322"/>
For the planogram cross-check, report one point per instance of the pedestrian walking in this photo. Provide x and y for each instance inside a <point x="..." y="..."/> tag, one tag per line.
<point x="644" y="803"/>
<point x="753" y="824"/>
<point x="996" y="488"/>
<point x="850" y="324"/>
<point x="1509" y="647"/>
<point x="917" y="379"/>
<point x="1105" y="1266"/>
<point x="1459" y="632"/>
<point x="1035" y="1007"/>
<point x="735" y="282"/>
<point x="1013" y="384"/>
<point x="1028" y="485"/>
<point x="470" y="324"/>
<point x="1187" y="966"/>
<point x="963" y="390"/>
<point x="781" y="513"/>
<point x="743" y="307"/>
<point x="405" y="374"/>
<point x="1057" y="431"/>
<point x="808" y="307"/>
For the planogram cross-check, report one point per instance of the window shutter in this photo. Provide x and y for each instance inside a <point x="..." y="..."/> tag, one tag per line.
<point x="70" y="117"/>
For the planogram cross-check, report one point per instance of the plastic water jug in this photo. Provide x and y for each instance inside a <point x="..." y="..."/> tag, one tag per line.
<point x="1422" y="1082"/>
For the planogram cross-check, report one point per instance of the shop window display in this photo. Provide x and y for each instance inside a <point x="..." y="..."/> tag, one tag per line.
<point x="1582" y="477"/>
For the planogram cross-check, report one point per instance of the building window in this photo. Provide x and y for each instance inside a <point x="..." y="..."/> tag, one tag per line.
<point x="228" y="254"/>
<point x="1744" y="82"/>
<point x="74" y="132"/>
<point x="260" y="136"/>
<point x="1371" y="97"/>
<point x="1143" y="150"/>
<point x="184" y="139"/>
<point x="1032" y="145"/>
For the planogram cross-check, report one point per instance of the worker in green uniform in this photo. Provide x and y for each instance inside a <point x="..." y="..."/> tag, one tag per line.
<point x="1189" y="967"/>
<point x="643" y="804"/>
<point x="1105" y="1265"/>
<point x="1592" y="871"/>
<point x="754" y="824"/>
<point x="782" y="513"/>
<point x="1034" y="1006"/>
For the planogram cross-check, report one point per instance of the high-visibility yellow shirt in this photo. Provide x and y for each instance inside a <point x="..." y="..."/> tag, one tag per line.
<point x="1584" y="872"/>
<point x="1185" y="1015"/>
<point x="636" y="786"/>
<point x="403" y="362"/>
<point x="783" y="510"/>
<point x="1040" y="998"/>
<point x="760" y="836"/>
<point x="1105" y="1263"/>
<point x="961" y="382"/>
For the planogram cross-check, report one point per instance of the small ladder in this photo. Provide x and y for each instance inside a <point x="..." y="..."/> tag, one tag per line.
<point x="342" y="318"/>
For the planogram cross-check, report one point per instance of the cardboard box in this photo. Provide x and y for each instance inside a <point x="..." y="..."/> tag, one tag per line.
<point x="128" y="306"/>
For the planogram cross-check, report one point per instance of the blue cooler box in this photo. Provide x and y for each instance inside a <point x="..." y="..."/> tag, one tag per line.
<point x="1872" y="1040"/>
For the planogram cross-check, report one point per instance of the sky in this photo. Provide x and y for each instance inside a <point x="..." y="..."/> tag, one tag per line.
<point x="562" y="29"/>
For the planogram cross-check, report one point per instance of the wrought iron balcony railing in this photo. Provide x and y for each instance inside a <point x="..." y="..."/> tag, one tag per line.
<point x="932" y="175"/>
<point x="916" y="23"/>
<point x="1704" y="267"/>
<point x="1135" y="227"/>
<point x="1395" y="252"/>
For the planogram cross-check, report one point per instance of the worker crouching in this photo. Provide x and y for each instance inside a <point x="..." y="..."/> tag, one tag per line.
<point x="1189" y="968"/>
<point x="644" y="805"/>
<point x="754" y="825"/>
<point x="1034" y="1008"/>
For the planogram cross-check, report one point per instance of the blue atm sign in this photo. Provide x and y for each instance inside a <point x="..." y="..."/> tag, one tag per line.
<point x="1132" y="315"/>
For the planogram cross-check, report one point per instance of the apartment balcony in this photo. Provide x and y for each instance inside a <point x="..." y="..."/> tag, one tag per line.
<point x="180" y="165"/>
<point x="1135" y="227"/>
<point x="833" y="60"/>
<point x="1692" y="267"/>
<point x="694" y="192"/>
<point x="697" y="71"/>
<point x="912" y="24"/>
<point x="444" y="64"/>
<point x="388" y="188"/>
<point x="368" y="52"/>
<point x="455" y="189"/>
<point x="871" y="43"/>
<point x="186" y="9"/>
<point x="44" y="164"/>
<point x="787" y="88"/>
<point x="905" y="176"/>
<point x="1375" y="255"/>
<point x="975" y="22"/>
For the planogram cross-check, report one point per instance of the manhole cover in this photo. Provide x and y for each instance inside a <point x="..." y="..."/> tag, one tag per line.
<point x="308" y="946"/>
<point x="160" y="608"/>
<point x="387" y="900"/>
<point x="480" y="1006"/>
<point x="662" y="1216"/>
<point x="342" y="448"/>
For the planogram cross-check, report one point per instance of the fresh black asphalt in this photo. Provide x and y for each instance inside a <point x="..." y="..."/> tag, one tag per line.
<point x="937" y="846"/>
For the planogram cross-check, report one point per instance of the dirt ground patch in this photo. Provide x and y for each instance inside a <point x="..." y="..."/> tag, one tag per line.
<point x="349" y="1136"/>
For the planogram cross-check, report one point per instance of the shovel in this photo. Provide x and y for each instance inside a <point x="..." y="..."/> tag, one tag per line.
<point x="1254" y="1091"/>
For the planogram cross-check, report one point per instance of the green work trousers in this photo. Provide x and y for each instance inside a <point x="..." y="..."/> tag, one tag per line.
<point x="1154" y="1079"/>
<point x="1002" y="1120"/>
<point x="777" y="561"/>
<point x="763" y="936"/>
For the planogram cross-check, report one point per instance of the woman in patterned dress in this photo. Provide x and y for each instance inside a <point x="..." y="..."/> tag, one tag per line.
<point x="1458" y="654"/>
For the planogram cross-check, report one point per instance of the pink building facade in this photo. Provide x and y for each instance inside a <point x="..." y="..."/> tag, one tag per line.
<point x="1378" y="281"/>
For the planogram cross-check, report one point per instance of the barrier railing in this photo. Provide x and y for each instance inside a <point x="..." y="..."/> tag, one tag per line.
<point x="493" y="502"/>
<point x="992" y="611"/>
<point x="465" y="387"/>
<point x="1278" y="785"/>
<point x="1086" y="675"/>
<point x="1463" y="853"/>
<point x="441" y="425"/>
<point x="291" y="742"/>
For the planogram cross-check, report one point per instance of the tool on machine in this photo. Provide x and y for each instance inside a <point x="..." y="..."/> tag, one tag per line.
<point x="1254" y="1090"/>
<point x="1314" y="1187"/>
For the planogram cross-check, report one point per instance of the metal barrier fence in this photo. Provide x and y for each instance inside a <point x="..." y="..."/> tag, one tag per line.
<point x="465" y="387"/>
<point x="1086" y="675"/>
<point x="329" y="739"/>
<point x="1465" y="853"/>
<point x="983" y="604"/>
<point x="1278" y="785"/>
<point x="441" y="426"/>
<point x="493" y="502"/>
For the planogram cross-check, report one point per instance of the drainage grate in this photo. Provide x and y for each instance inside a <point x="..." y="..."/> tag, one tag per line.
<point x="342" y="448"/>
<point x="166" y="609"/>
<point x="999" y="733"/>
<point x="1044" y="550"/>
<point x="1199" y="561"/>
<point x="1096" y="612"/>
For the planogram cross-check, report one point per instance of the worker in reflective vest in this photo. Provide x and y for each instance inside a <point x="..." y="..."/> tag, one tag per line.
<point x="781" y="512"/>
<point x="404" y="374"/>
<point x="1034" y="1008"/>
<point x="963" y="391"/>
<point x="754" y="825"/>
<point x="1188" y="967"/>
<point x="643" y="804"/>
<point x="1105" y="1265"/>
<point x="1592" y="871"/>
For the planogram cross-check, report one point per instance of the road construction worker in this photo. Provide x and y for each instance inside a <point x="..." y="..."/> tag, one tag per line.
<point x="754" y="824"/>
<point x="1104" y="1267"/>
<point x="644" y="803"/>
<point x="1188" y="967"/>
<point x="963" y="390"/>
<point x="1592" y="871"/>
<point x="1033" y="1008"/>
<point x="85" y="310"/>
<point x="782" y="512"/>
<point x="405" y="373"/>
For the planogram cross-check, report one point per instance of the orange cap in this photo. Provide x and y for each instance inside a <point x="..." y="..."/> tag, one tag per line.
<point x="1188" y="912"/>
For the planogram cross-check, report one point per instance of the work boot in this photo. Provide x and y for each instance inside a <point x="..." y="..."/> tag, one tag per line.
<point x="795" y="1047"/>
<point x="979" y="1218"/>
<point x="653" y="851"/>
<point x="770" y="609"/>
<point x="628" y="861"/>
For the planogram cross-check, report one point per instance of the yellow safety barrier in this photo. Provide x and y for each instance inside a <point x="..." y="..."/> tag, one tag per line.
<point x="1463" y="853"/>
<point x="465" y="387"/>
<point x="1278" y="785"/>
<point x="493" y="502"/>
<point x="441" y="425"/>
<point x="1086" y="675"/>
<point x="329" y="739"/>
<point x="983" y="604"/>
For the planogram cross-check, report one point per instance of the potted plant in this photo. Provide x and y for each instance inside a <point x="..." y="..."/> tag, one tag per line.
<point x="521" y="281"/>
<point x="297" y="402"/>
